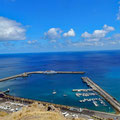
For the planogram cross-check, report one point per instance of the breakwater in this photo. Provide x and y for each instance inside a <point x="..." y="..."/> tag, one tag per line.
<point x="12" y="77"/>
<point x="41" y="72"/>
<point x="104" y="94"/>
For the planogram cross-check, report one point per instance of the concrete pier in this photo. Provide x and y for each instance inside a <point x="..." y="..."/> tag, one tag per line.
<point x="70" y="72"/>
<point x="41" y="72"/>
<point x="82" y="90"/>
<point x="104" y="94"/>
<point x="11" y="77"/>
<point x="56" y="72"/>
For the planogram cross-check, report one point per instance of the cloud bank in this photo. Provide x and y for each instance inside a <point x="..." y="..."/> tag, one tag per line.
<point x="11" y="30"/>
<point x="97" y="34"/>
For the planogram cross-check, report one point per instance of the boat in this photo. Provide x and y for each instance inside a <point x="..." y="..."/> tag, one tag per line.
<point x="7" y="91"/>
<point x="50" y="72"/>
<point x="95" y="103"/>
<point x="77" y="94"/>
<point x="54" y="92"/>
<point x="64" y="95"/>
<point x="102" y="102"/>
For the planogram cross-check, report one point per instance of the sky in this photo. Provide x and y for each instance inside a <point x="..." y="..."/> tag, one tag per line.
<point x="59" y="25"/>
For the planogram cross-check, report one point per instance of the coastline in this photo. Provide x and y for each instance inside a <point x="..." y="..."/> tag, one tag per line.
<point x="62" y="108"/>
<point x="92" y="63"/>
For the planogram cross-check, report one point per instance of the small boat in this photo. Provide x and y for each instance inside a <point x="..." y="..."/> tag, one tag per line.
<point x="95" y="103"/>
<point x="7" y="91"/>
<point x="64" y="95"/>
<point x="102" y="102"/>
<point x="53" y="92"/>
<point x="77" y="94"/>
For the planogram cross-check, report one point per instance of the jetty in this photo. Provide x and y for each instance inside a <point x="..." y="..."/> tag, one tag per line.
<point x="82" y="90"/>
<point x="103" y="93"/>
<point x="12" y="77"/>
<point x="85" y="94"/>
<point x="55" y="72"/>
<point x="41" y="72"/>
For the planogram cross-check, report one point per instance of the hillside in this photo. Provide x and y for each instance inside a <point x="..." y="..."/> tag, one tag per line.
<point x="37" y="112"/>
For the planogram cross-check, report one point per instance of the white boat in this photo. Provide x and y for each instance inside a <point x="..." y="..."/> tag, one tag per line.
<point x="50" y="72"/>
<point x="95" y="103"/>
<point x="64" y="95"/>
<point x="102" y="102"/>
<point x="77" y="94"/>
<point x="54" y="92"/>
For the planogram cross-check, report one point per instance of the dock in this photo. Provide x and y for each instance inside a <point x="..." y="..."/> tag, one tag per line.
<point x="41" y="72"/>
<point x="82" y="90"/>
<point x="103" y="93"/>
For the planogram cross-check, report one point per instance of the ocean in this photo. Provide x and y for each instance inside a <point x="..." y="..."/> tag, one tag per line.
<point x="103" y="67"/>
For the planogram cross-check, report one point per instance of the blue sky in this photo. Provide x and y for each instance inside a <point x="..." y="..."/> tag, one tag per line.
<point x="59" y="25"/>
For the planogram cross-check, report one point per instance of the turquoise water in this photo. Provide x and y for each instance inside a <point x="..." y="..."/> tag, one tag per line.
<point x="102" y="67"/>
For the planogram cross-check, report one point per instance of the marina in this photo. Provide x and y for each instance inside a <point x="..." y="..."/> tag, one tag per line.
<point x="94" y="101"/>
<point x="90" y="83"/>
<point x="104" y="94"/>
<point x="89" y="95"/>
<point x="85" y="93"/>
<point x="53" y="92"/>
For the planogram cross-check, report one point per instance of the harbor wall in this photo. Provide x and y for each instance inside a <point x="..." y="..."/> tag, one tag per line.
<point x="41" y="72"/>
<point x="105" y="95"/>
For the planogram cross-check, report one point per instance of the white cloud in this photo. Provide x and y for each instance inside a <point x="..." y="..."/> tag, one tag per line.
<point x="78" y="44"/>
<point x="53" y="34"/>
<point x="32" y="41"/>
<point x="81" y="44"/>
<point x="108" y="28"/>
<point x="97" y="34"/>
<point x="70" y="33"/>
<point x="11" y="30"/>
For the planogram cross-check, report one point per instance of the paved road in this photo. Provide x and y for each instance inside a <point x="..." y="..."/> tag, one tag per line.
<point x="87" y="113"/>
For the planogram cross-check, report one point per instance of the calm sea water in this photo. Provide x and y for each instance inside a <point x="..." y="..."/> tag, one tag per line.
<point x="102" y="67"/>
